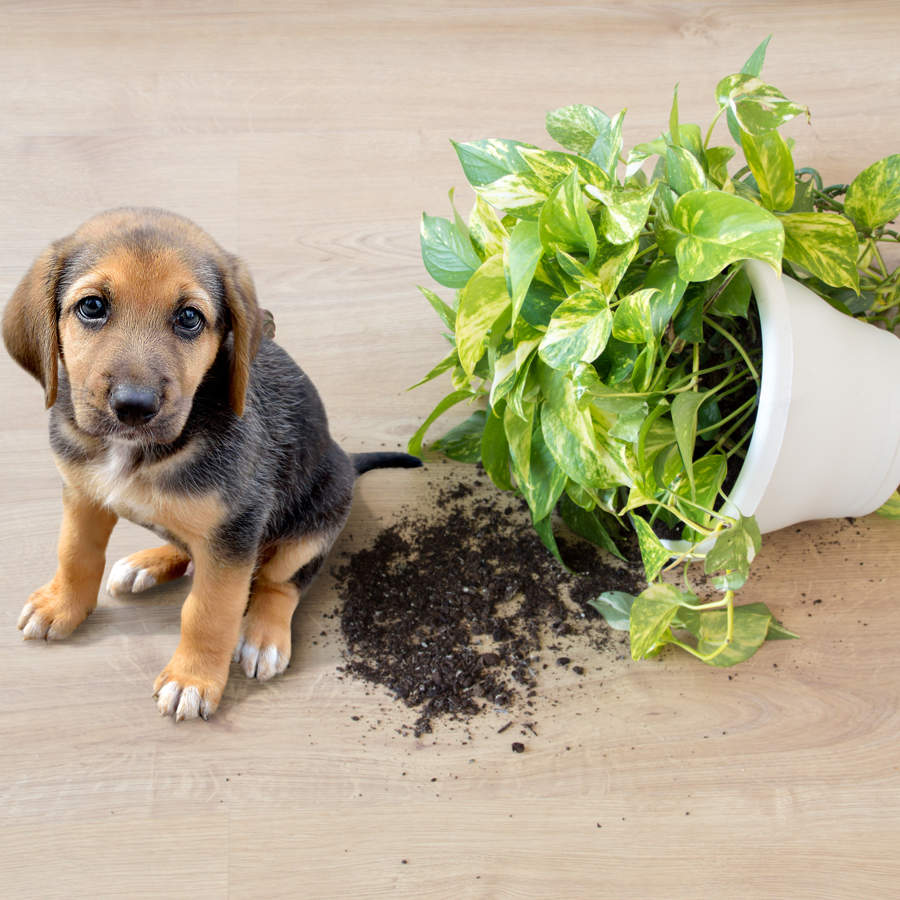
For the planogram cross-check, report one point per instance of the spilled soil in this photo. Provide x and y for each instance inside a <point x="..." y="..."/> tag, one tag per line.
<point x="460" y="610"/>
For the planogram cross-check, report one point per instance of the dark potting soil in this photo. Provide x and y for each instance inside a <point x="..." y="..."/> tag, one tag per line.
<point x="459" y="610"/>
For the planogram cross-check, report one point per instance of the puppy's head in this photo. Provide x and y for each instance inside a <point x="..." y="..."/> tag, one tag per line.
<point x="136" y="305"/>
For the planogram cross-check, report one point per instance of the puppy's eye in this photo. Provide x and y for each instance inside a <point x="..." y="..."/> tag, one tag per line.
<point x="189" y="321"/>
<point x="91" y="309"/>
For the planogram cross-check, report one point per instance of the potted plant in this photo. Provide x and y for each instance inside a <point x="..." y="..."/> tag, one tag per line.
<point x="640" y="364"/>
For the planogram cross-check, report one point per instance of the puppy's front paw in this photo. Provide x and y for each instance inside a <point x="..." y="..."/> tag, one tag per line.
<point x="143" y="570"/>
<point x="184" y="691"/>
<point x="52" y="612"/>
<point x="263" y="649"/>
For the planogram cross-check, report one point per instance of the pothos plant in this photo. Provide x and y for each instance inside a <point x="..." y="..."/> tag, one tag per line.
<point x="603" y="326"/>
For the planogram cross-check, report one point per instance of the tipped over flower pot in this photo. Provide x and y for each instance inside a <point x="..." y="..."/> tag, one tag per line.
<point x="622" y="378"/>
<point x="826" y="441"/>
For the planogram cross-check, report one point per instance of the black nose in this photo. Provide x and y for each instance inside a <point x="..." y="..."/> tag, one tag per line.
<point x="134" y="405"/>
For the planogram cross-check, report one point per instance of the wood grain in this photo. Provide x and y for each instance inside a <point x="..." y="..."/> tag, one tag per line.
<point x="308" y="137"/>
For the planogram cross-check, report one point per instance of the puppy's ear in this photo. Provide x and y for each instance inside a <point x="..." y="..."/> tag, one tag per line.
<point x="29" y="321"/>
<point x="246" y="327"/>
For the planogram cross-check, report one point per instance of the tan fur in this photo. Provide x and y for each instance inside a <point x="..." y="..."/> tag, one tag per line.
<point x="274" y="598"/>
<point x="137" y="344"/>
<point x="29" y="321"/>
<point x="210" y="625"/>
<point x="164" y="563"/>
<point x="144" y="283"/>
<point x="65" y="602"/>
<point x="137" y="495"/>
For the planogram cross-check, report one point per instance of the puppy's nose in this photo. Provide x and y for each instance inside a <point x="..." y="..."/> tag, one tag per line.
<point x="134" y="405"/>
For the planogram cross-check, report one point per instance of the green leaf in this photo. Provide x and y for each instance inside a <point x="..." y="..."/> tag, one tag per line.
<point x="756" y="106"/>
<point x="684" y="417"/>
<point x="447" y="313"/>
<point x="522" y="256"/>
<point x="633" y="319"/>
<point x="751" y="625"/>
<point x="607" y="269"/>
<point x="551" y="167"/>
<point x="486" y="161"/>
<point x="485" y="229"/>
<point x="564" y="221"/>
<point x="652" y="613"/>
<point x="608" y="144"/>
<point x="641" y="152"/>
<point x="448" y="362"/>
<point x="587" y="524"/>
<point x="481" y="302"/>
<point x="664" y="231"/>
<point x="755" y="61"/>
<point x="673" y="119"/>
<point x="709" y="475"/>
<point x="519" y="430"/>
<point x="578" y="331"/>
<point x="734" y="300"/>
<point x="522" y="194"/>
<point x="447" y="252"/>
<point x="570" y="435"/>
<point x="653" y="553"/>
<point x="415" y="442"/>
<point x="873" y="198"/>
<point x="495" y="449"/>
<point x="718" y="229"/>
<point x="777" y="632"/>
<point x="825" y="245"/>
<point x="463" y="441"/>
<point x="890" y="509"/>
<point x="770" y="161"/>
<point x="684" y="170"/>
<point x="734" y="550"/>
<point x="625" y="210"/>
<point x="544" y="528"/>
<point x="507" y="366"/>
<point x="546" y="480"/>
<point x="717" y="159"/>
<point x="615" y="607"/>
<point x="663" y="276"/>
<point x="576" y="127"/>
<point x="688" y="323"/>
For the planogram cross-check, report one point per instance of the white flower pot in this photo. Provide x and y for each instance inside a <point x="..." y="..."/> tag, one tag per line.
<point x="826" y="442"/>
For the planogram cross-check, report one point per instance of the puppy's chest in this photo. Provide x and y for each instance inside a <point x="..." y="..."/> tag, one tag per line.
<point x="116" y="480"/>
<point x="119" y="479"/>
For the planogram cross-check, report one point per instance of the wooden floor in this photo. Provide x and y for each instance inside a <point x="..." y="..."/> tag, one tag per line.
<point x="308" y="137"/>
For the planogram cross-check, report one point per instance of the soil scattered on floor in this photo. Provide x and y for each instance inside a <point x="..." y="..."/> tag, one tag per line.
<point x="459" y="611"/>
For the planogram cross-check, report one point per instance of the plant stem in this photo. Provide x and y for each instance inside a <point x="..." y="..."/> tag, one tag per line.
<point x="733" y="341"/>
<point x="713" y="125"/>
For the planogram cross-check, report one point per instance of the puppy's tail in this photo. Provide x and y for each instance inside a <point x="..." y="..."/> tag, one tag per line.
<point x="362" y="462"/>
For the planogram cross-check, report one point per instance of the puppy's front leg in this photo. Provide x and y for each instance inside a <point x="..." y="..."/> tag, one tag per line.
<point x="192" y="683"/>
<point x="55" y="610"/>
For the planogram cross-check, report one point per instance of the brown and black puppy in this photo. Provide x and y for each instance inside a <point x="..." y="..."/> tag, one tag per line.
<point x="170" y="407"/>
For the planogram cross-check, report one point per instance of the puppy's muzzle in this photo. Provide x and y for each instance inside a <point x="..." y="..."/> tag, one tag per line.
<point x="133" y="404"/>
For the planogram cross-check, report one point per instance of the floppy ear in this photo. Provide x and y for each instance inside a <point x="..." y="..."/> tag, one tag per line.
<point x="29" y="321"/>
<point x="246" y="327"/>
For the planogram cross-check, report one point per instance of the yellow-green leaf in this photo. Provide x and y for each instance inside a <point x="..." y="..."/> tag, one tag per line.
<point x="718" y="229"/>
<point x="873" y="198"/>
<point x="825" y="244"/>
<point x="770" y="161"/>
<point x="482" y="301"/>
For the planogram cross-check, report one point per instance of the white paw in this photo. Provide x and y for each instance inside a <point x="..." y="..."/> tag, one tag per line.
<point x="182" y="703"/>
<point x="35" y="627"/>
<point x="125" y="578"/>
<point x="261" y="663"/>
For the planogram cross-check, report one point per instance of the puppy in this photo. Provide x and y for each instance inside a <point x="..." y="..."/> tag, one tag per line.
<point x="171" y="408"/>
